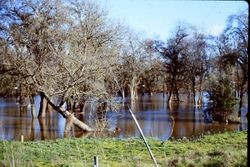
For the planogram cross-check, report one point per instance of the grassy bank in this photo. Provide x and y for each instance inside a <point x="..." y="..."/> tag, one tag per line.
<point x="227" y="149"/>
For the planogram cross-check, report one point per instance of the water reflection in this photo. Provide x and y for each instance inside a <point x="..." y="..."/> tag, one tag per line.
<point x="152" y="113"/>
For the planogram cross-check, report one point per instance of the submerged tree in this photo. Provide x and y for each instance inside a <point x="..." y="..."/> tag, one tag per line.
<point x="234" y="53"/>
<point x="133" y="62"/>
<point x="152" y="76"/>
<point x="175" y="55"/>
<point x="222" y="101"/>
<point x="196" y="65"/>
<point x="61" y="50"/>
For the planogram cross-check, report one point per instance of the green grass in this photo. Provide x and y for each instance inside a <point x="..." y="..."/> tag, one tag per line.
<point x="226" y="149"/>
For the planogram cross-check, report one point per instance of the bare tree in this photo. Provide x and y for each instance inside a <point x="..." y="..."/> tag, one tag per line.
<point x="153" y="69"/>
<point x="62" y="50"/>
<point x="196" y="64"/>
<point x="133" y="62"/>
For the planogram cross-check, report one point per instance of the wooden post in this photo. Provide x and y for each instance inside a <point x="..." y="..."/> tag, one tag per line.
<point x="95" y="161"/>
<point x="84" y="163"/>
<point x="138" y="126"/>
<point x="144" y="139"/>
<point x="21" y="138"/>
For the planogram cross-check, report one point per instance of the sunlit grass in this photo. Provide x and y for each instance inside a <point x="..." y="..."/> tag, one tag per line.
<point x="227" y="149"/>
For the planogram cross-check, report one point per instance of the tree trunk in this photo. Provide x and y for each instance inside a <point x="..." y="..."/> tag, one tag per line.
<point x="177" y="94"/>
<point x="169" y="97"/>
<point x="242" y="92"/>
<point x="133" y="89"/>
<point x="188" y="96"/>
<point x="163" y="91"/>
<point x="149" y="90"/>
<point x="242" y="84"/>
<point x="82" y="105"/>
<point x="68" y="125"/>
<point x="133" y="92"/>
<point x="33" y="110"/>
<point x="69" y="104"/>
<point x="193" y="90"/>
<point x="66" y="114"/>
<point x="32" y="130"/>
<point x="21" y="99"/>
<point x="172" y="91"/>
<point x="74" y="105"/>
<point x="43" y="128"/>
<point x="77" y="122"/>
<point x="123" y="95"/>
<point x="43" y="106"/>
<point x="241" y="100"/>
<point x="200" y="99"/>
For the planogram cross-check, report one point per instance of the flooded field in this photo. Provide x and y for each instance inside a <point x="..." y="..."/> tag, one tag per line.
<point x="155" y="119"/>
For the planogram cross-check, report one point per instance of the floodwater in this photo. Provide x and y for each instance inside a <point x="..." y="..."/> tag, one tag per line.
<point x="155" y="119"/>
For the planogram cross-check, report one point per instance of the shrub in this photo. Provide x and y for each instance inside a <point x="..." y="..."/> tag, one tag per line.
<point x="221" y="99"/>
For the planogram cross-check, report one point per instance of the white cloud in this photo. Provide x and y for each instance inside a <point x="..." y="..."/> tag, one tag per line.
<point x="215" y="30"/>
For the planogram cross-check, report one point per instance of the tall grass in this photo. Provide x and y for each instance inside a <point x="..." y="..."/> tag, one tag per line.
<point x="227" y="149"/>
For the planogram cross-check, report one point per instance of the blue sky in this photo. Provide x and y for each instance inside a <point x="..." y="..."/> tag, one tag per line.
<point x="157" y="18"/>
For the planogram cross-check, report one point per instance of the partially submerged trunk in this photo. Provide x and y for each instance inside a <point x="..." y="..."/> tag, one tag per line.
<point x="241" y="94"/>
<point x="133" y="91"/>
<point x="200" y="99"/>
<point x="176" y="93"/>
<point x="170" y="93"/>
<point x="241" y="100"/>
<point x="123" y="95"/>
<point x="133" y="88"/>
<point x="43" y="106"/>
<point x="169" y="97"/>
<point x="193" y="91"/>
<point x="242" y="85"/>
<point x="43" y="128"/>
<point x="21" y="99"/>
<point x="173" y="97"/>
<point x="32" y="103"/>
<point x="32" y="130"/>
<point x="66" y="114"/>
<point x="150" y="91"/>
<point x="73" y="120"/>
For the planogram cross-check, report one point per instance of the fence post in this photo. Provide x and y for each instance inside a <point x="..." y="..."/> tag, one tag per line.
<point x="143" y="137"/>
<point x="21" y="138"/>
<point x="95" y="161"/>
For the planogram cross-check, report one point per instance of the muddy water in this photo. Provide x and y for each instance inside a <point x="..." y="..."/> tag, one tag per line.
<point x="155" y="119"/>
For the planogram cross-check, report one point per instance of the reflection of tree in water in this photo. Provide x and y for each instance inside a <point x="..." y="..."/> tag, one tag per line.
<point x="95" y="115"/>
<point x="1" y="130"/>
<point x="32" y="130"/>
<point x="173" y="108"/>
<point x="170" y="128"/>
<point x="173" y="124"/>
<point x="43" y="128"/>
<point x="161" y="123"/>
